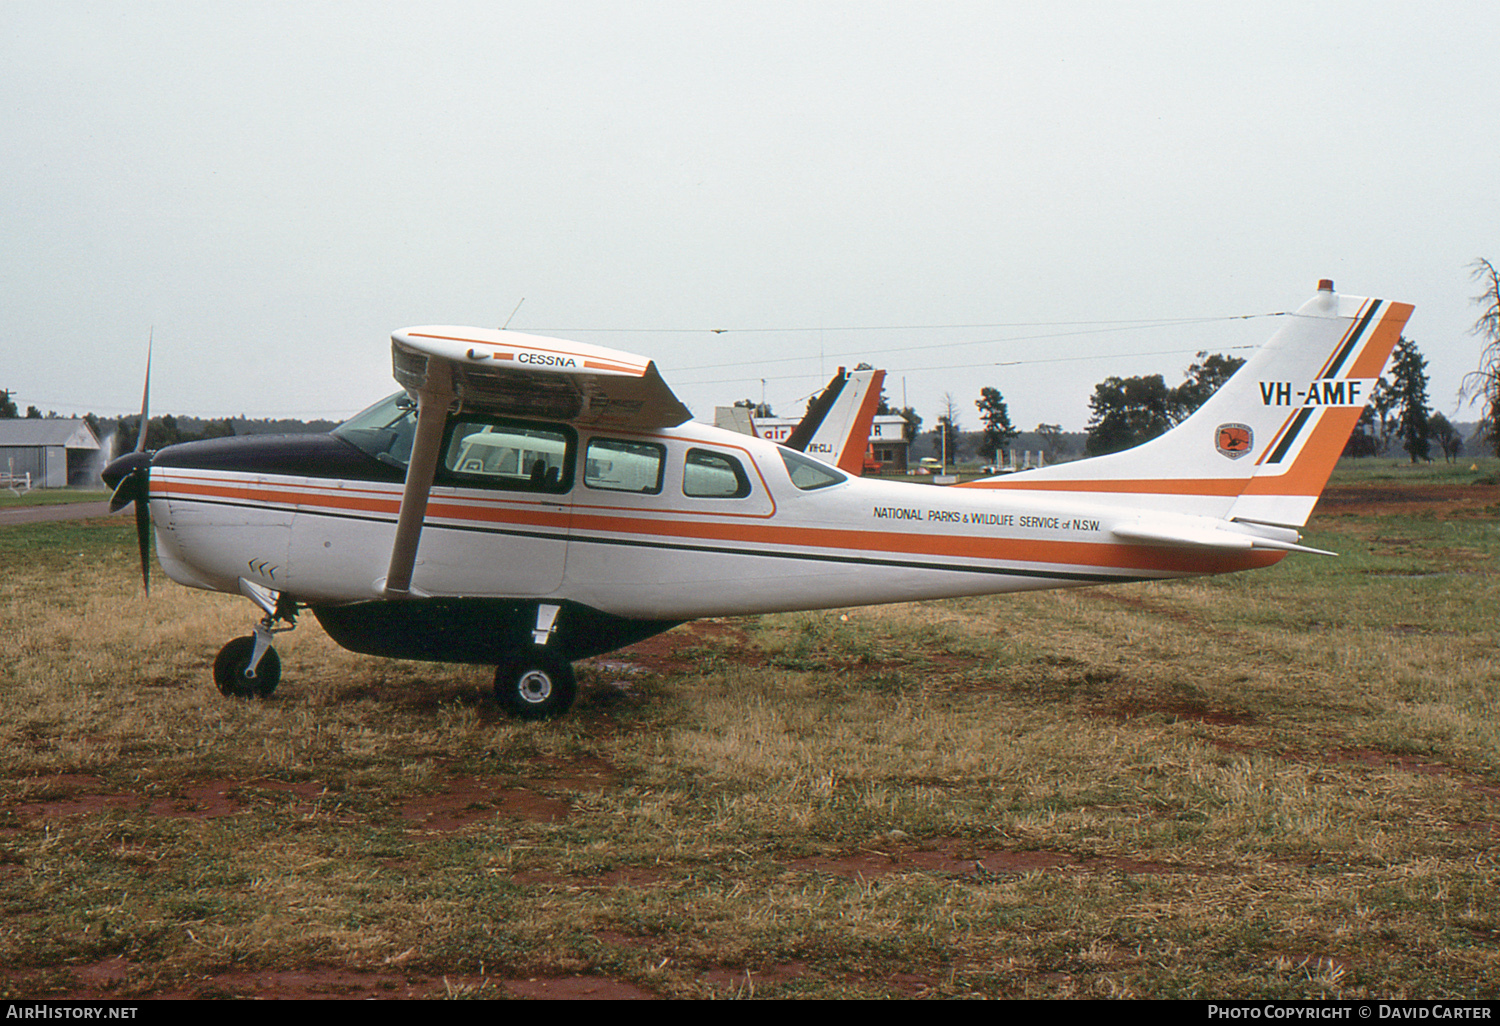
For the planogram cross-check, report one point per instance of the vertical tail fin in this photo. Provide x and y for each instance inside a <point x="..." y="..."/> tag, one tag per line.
<point x="836" y="429"/>
<point x="1262" y="447"/>
<point x="1318" y="418"/>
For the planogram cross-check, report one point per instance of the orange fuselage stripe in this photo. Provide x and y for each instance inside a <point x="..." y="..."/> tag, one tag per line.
<point x="1229" y="486"/>
<point x="1078" y="554"/>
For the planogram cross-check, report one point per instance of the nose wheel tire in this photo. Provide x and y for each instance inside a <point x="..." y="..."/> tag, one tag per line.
<point x="536" y="685"/>
<point x="231" y="670"/>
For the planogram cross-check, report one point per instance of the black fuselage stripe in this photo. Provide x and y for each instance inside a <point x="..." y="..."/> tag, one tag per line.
<point x="1055" y="575"/>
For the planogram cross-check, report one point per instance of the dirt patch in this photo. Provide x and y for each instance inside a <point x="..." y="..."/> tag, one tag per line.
<point x="1394" y="498"/>
<point x="349" y="985"/>
<point x="679" y="649"/>
<point x="1368" y="758"/>
<point x="468" y="800"/>
<point x="576" y="988"/>
<point x="205" y="800"/>
<point x="86" y="795"/>
<point x="77" y="805"/>
<point x="588" y="773"/>
<point x="1200" y="624"/>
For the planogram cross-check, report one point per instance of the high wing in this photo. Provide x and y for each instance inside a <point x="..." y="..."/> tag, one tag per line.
<point x="508" y="373"/>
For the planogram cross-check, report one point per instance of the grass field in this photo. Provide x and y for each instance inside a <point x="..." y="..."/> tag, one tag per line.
<point x="1278" y="784"/>
<point x="50" y="497"/>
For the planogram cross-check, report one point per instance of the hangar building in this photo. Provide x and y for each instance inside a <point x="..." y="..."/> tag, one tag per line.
<point x="55" y="452"/>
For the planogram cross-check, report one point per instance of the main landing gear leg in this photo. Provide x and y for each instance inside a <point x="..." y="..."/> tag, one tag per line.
<point x="249" y="667"/>
<point x="537" y="683"/>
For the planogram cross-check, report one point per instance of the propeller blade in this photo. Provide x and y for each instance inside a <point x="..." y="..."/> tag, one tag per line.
<point x="140" y="441"/>
<point x="130" y="477"/>
<point x="143" y="531"/>
<point x="124" y="494"/>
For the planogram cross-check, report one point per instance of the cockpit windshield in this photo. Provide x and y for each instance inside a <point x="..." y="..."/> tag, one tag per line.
<point x="384" y="431"/>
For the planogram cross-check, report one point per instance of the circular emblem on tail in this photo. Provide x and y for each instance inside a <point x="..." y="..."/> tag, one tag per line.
<point x="1234" y="440"/>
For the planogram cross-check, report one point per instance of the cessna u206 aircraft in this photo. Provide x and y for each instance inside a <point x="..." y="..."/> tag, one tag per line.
<point x="527" y="502"/>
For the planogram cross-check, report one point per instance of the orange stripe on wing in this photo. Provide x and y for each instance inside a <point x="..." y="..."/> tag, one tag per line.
<point x="589" y="362"/>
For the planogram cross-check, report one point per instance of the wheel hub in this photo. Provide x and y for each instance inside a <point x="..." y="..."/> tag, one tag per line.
<point x="535" y="687"/>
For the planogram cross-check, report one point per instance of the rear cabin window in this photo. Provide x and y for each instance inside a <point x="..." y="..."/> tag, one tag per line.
<point x="520" y="457"/>
<point x="617" y="465"/>
<point x="713" y="475"/>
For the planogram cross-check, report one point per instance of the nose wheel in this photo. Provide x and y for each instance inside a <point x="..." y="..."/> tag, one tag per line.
<point x="239" y="675"/>
<point x="536" y="685"/>
<point x="249" y="667"/>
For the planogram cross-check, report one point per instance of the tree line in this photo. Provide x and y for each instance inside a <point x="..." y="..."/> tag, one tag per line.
<point x="169" y="429"/>
<point x="1124" y="412"/>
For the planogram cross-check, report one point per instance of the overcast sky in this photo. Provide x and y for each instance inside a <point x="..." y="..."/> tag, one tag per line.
<point x="1004" y="194"/>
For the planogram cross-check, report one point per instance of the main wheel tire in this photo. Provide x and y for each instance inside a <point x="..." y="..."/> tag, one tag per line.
<point x="536" y="685"/>
<point x="232" y="666"/>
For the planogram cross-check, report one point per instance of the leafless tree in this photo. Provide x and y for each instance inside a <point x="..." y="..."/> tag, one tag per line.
<point x="1483" y="385"/>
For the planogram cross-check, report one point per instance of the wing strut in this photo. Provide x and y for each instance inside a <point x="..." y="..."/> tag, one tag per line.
<point x="433" y="400"/>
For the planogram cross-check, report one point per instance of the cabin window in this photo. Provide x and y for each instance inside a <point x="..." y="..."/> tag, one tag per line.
<point x="713" y="475"/>
<point x="808" y="474"/>
<point x="502" y="454"/>
<point x="617" y="465"/>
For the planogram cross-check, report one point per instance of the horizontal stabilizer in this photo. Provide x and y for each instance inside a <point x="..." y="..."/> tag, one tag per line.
<point x="1208" y="537"/>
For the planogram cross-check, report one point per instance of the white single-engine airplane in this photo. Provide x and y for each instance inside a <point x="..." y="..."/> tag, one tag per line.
<point x="527" y="501"/>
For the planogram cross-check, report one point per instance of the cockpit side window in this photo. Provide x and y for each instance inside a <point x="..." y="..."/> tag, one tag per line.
<point x="493" y="453"/>
<point x="478" y="451"/>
